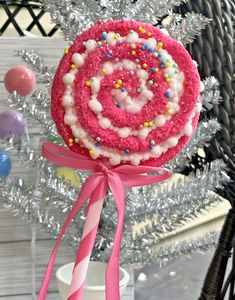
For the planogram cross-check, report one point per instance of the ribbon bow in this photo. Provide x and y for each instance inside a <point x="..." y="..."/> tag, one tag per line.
<point x="95" y="188"/>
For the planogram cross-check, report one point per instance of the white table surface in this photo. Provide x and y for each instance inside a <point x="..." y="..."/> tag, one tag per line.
<point x="15" y="234"/>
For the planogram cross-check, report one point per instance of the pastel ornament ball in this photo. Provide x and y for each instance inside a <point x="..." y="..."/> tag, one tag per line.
<point x="5" y="164"/>
<point x="69" y="175"/>
<point x="12" y="123"/>
<point x="20" y="79"/>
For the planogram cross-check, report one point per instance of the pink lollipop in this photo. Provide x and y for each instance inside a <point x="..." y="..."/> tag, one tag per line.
<point x="20" y="79"/>
<point x="125" y="93"/>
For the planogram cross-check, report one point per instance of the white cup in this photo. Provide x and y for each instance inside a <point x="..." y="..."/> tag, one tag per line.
<point x="95" y="282"/>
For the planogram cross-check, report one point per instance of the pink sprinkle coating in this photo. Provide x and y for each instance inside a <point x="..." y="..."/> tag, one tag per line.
<point x="121" y="118"/>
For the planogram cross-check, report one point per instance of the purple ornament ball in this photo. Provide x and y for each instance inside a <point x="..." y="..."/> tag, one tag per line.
<point x="12" y="123"/>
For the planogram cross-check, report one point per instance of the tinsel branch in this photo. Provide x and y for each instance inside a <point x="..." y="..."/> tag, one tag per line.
<point x="35" y="61"/>
<point x="60" y="194"/>
<point x="73" y="16"/>
<point x="205" y="130"/>
<point x="31" y="110"/>
<point x="204" y="133"/>
<point x="42" y="100"/>
<point x="185" y="29"/>
<point x="211" y="94"/>
<point x="115" y="9"/>
<point x="164" y="254"/>
<point x="62" y="191"/>
<point x="181" y="202"/>
<point x="141" y="206"/>
<point x="18" y="198"/>
<point x="151" y="10"/>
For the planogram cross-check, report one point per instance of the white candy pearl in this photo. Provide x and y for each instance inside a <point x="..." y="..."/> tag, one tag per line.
<point x="171" y="71"/>
<point x="142" y="85"/>
<point x="142" y="74"/>
<point x="67" y="101"/>
<point x="91" y="45"/>
<point x="77" y="59"/>
<point x="176" y="107"/>
<point x="160" y="121"/>
<point x="165" y="148"/>
<point x="156" y="151"/>
<point x="124" y="132"/>
<point x="188" y="129"/>
<point x="128" y="64"/>
<point x="135" y="160"/>
<point x="94" y="97"/>
<point x="132" y="37"/>
<point x="104" y="123"/>
<point x="147" y="94"/>
<point x="109" y="68"/>
<point x="128" y="100"/>
<point x="68" y="79"/>
<point x="71" y="110"/>
<point x="95" y="155"/>
<point x="172" y="141"/>
<point x="164" y="55"/>
<point x="151" y="42"/>
<point x="198" y="107"/>
<point x="95" y="106"/>
<point x="70" y="119"/>
<point x="120" y="96"/>
<point x="133" y="108"/>
<point x="146" y="156"/>
<point x="201" y="86"/>
<point x="164" y="31"/>
<point x="110" y="38"/>
<point x="176" y="86"/>
<point x="79" y="132"/>
<point x="115" y="160"/>
<point x="195" y="63"/>
<point x="173" y="106"/>
<point x="95" y="85"/>
<point x="143" y="133"/>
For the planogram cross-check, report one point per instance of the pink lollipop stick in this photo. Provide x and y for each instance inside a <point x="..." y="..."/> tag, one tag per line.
<point x="85" y="249"/>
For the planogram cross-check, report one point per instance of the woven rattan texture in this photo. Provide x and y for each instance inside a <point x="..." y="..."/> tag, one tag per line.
<point x="212" y="288"/>
<point x="214" y="52"/>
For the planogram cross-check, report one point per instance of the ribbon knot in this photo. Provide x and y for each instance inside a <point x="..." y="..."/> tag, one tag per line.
<point x="94" y="189"/>
<point x="102" y="168"/>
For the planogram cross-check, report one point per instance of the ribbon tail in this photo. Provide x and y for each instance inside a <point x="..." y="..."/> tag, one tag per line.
<point x="87" y="189"/>
<point x="87" y="242"/>
<point x="112" y="270"/>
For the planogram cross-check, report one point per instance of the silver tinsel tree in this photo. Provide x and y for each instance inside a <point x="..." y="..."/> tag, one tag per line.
<point x="156" y="210"/>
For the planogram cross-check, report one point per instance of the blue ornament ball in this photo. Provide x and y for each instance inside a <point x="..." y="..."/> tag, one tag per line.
<point x="5" y="164"/>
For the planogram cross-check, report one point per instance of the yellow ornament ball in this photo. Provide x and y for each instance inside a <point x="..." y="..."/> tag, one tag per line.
<point x="69" y="175"/>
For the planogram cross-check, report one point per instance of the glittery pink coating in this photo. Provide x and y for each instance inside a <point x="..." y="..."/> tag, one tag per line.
<point x="121" y="118"/>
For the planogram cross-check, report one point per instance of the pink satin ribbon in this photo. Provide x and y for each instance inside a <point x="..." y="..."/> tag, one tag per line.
<point x="95" y="187"/>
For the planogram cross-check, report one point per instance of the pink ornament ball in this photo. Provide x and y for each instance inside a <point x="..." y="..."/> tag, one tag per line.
<point x="20" y="79"/>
